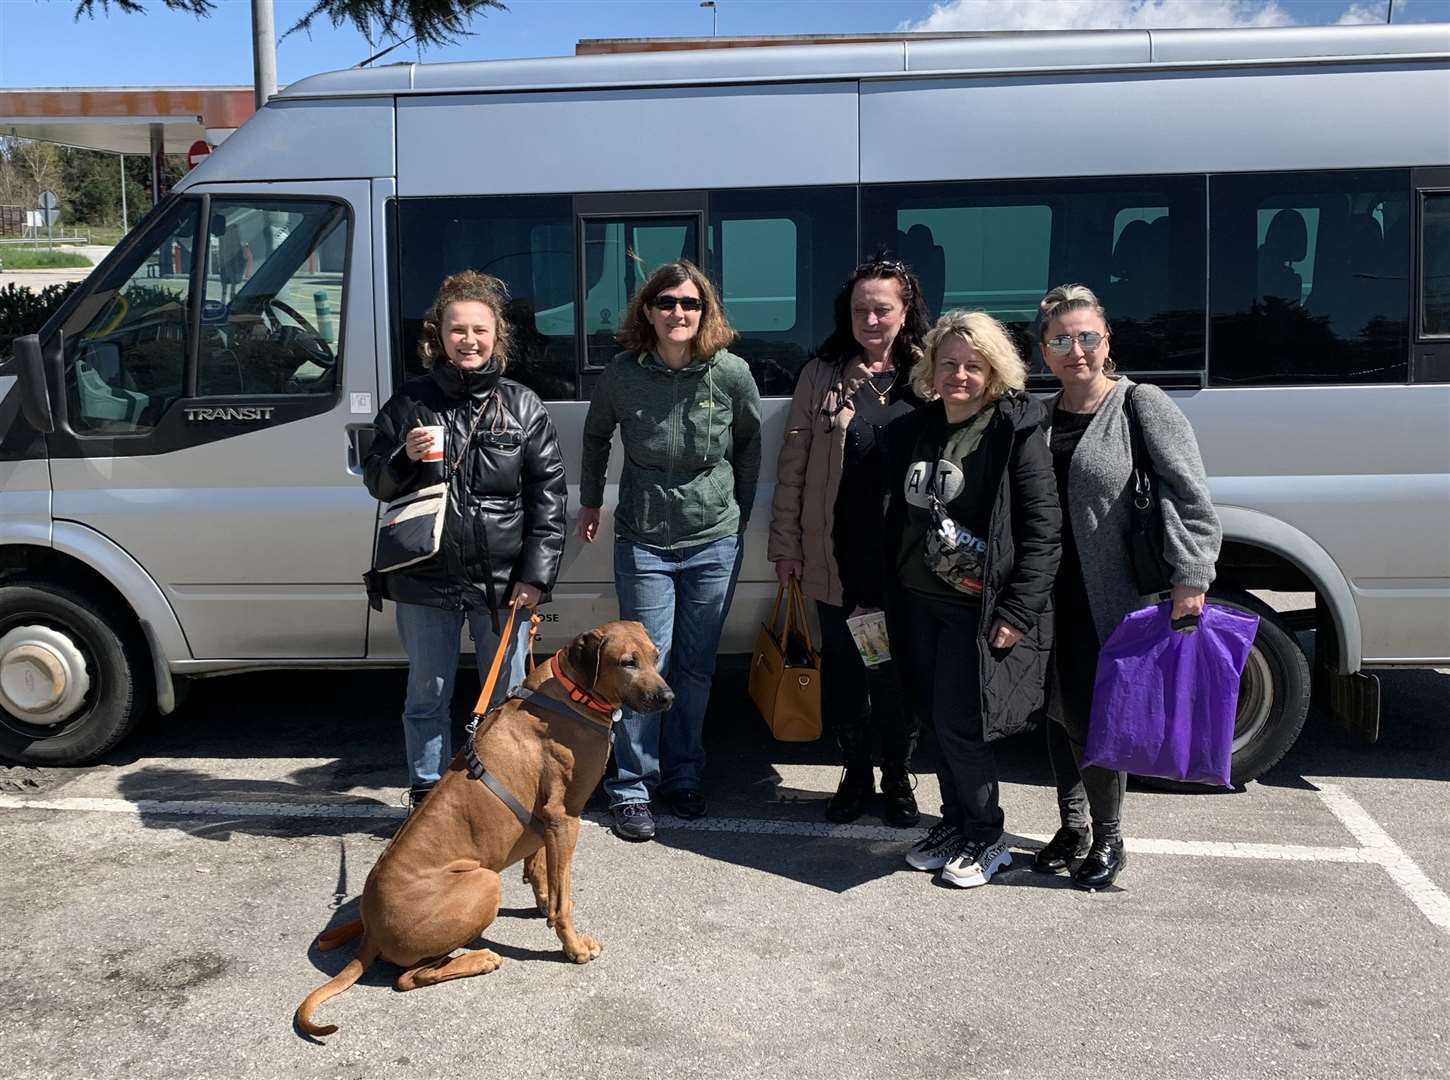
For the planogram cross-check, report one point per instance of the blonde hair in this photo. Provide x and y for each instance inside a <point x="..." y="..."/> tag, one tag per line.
<point x="468" y="285"/>
<point x="987" y="337"/>
<point x="1067" y="298"/>
<point x="637" y="333"/>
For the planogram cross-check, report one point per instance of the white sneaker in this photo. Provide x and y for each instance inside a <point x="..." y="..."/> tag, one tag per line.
<point x="975" y="862"/>
<point x="933" y="850"/>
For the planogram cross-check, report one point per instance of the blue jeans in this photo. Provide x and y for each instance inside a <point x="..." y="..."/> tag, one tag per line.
<point x="431" y="637"/>
<point x="680" y="598"/>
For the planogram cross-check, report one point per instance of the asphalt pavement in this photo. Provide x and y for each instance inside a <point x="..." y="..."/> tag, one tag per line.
<point x="159" y="911"/>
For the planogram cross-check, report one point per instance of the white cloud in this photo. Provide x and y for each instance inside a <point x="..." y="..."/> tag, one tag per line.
<point x="1370" y="11"/>
<point x="1102" y="14"/>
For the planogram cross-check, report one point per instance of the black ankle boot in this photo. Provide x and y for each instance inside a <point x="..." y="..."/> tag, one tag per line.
<point x="1102" y="864"/>
<point x="855" y="791"/>
<point x="416" y="794"/>
<point x="896" y="790"/>
<point x="1057" y="854"/>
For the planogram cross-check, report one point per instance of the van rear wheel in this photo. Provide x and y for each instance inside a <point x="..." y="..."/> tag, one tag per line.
<point x="1273" y="697"/>
<point x="73" y="675"/>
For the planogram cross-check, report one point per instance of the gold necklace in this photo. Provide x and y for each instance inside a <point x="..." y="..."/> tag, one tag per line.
<point x="882" y="395"/>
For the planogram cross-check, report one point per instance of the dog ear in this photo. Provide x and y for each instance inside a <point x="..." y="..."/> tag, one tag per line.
<point x="585" y="654"/>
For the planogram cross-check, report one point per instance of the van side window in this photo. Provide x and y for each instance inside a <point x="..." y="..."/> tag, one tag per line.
<point x="272" y="316"/>
<point x="126" y="364"/>
<point x="1435" y="265"/>
<point x="1310" y="278"/>
<point x="527" y="241"/>
<point x="1138" y="242"/>
<point x="781" y="254"/>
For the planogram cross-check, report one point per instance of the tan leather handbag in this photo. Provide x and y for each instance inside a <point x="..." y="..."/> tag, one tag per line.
<point x="785" y="671"/>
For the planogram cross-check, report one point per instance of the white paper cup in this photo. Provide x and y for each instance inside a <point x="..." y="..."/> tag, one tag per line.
<point x="435" y="447"/>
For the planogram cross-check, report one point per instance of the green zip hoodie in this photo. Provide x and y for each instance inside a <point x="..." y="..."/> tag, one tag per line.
<point x="691" y="448"/>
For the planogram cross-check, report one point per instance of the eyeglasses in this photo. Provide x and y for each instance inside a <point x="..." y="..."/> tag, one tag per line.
<point x="666" y="302"/>
<point x="1062" y="344"/>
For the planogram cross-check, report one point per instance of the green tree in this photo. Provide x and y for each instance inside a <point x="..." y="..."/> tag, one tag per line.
<point x="431" y="22"/>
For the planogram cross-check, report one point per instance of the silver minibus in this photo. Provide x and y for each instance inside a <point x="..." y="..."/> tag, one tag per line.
<point x="1266" y="214"/>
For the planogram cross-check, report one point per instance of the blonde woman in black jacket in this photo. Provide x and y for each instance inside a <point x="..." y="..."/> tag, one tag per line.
<point x="503" y="533"/>
<point x="972" y="542"/>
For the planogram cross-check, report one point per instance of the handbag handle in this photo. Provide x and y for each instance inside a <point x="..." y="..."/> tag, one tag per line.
<point x="796" y="617"/>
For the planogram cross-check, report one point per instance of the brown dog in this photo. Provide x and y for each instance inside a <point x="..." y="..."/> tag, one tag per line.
<point x="436" y="887"/>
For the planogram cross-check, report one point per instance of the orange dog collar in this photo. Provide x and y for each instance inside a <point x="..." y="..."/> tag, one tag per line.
<point x="576" y="694"/>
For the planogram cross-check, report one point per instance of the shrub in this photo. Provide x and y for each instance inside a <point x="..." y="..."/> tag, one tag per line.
<point x="24" y="311"/>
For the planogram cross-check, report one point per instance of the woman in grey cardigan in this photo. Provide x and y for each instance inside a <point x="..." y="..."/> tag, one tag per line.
<point x="1093" y="458"/>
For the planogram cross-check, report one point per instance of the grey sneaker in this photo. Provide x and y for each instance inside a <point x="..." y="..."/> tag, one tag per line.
<point x="975" y="862"/>
<point x="933" y="850"/>
<point x="633" y="821"/>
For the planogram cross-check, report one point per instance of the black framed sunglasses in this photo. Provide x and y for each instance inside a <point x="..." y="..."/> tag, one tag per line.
<point x="1061" y="345"/>
<point x="667" y="302"/>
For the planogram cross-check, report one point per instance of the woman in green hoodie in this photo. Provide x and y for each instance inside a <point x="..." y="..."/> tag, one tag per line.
<point x="688" y="414"/>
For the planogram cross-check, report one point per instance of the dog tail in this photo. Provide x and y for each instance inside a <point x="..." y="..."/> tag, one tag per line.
<point x="331" y="939"/>
<point x="366" y="954"/>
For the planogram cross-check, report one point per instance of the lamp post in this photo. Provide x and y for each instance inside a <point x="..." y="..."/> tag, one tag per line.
<point x="714" y="16"/>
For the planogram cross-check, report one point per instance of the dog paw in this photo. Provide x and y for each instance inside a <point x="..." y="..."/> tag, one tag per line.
<point x="585" y="949"/>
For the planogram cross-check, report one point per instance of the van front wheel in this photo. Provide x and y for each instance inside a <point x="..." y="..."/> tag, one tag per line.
<point x="73" y="675"/>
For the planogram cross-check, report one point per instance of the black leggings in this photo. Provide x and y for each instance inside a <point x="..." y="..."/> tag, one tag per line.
<point x="1090" y="792"/>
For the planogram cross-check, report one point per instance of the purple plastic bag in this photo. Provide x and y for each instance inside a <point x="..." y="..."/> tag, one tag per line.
<point x="1164" y="700"/>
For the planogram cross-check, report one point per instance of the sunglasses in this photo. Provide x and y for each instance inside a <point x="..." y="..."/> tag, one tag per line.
<point x="666" y="302"/>
<point x="1062" y="344"/>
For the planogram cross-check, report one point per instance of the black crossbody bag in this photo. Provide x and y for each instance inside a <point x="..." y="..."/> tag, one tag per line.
<point x="1151" y="571"/>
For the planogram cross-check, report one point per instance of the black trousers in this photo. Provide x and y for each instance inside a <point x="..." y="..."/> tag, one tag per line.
<point x="945" y="679"/>
<point x="862" y="704"/>
<point x="1082" y="793"/>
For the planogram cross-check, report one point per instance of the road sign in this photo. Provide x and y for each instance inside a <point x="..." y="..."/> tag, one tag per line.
<point x="48" y="200"/>
<point x="199" y="150"/>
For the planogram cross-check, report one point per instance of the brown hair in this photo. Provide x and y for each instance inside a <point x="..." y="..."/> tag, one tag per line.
<point x="990" y="340"/>
<point x="637" y="334"/>
<point x="465" y="286"/>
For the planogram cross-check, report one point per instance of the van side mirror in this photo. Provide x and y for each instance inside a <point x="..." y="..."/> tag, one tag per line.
<point x="32" y="384"/>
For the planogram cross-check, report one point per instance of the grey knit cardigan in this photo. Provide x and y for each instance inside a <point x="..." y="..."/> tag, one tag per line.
<point x="1098" y="479"/>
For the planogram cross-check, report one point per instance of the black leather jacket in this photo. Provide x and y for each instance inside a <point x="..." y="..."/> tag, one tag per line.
<point x="506" y="500"/>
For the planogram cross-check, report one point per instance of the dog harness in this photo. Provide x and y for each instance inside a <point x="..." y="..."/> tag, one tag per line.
<point x="476" y="767"/>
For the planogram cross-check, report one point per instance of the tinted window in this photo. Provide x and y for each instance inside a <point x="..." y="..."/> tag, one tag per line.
<point x="998" y="247"/>
<point x="528" y="241"/>
<point x="1310" y="278"/>
<point x="1435" y="265"/>
<point x="780" y="256"/>
<point x="619" y="256"/>
<point x="274" y="293"/>
<point x="126" y="363"/>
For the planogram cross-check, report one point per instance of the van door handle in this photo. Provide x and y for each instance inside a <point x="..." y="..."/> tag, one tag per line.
<point x="359" y="442"/>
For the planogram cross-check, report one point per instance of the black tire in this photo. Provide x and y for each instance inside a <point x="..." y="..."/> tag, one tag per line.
<point x="1273" y="698"/>
<point x="116" y="660"/>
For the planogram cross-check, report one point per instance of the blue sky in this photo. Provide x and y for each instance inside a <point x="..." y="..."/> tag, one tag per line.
<point x="41" y="44"/>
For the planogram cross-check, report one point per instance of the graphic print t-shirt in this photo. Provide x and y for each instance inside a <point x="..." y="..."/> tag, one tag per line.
<point x="951" y="457"/>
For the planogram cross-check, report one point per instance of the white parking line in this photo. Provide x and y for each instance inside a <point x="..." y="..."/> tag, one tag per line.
<point x="1375" y="845"/>
<point x="1403" y="870"/>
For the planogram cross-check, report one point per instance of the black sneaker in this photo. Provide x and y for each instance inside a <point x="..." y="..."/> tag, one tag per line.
<point x="633" y="821"/>
<point x="686" y="803"/>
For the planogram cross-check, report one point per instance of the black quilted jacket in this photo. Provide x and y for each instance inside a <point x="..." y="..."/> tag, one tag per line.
<point x="1023" y="548"/>
<point x="506" y="502"/>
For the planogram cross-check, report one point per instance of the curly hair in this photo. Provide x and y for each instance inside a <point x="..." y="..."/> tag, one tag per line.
<point x="637" y="333"/>
<point x="990" y="340"/>
<point x="464" y="286"/>
<point x="841" y="346"/>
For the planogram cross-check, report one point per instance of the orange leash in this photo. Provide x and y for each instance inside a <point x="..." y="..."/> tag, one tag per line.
<point x="505" y="639"/>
